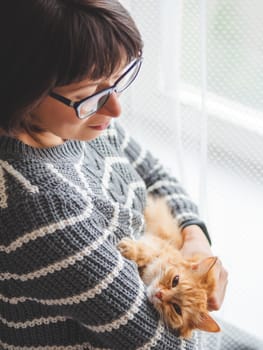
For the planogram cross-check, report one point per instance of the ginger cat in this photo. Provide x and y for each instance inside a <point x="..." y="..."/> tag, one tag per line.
<point x="177" y="288"/>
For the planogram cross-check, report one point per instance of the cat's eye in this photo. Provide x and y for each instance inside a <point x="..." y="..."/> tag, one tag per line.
<point x="177" y="309"/>
<point x="175" y="281"/>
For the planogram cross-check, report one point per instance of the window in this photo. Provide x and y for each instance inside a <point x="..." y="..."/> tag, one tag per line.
<point x="199" y="98"/>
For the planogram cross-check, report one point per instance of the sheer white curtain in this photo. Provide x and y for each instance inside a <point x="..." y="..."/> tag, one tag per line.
<point x="198" y="105"/>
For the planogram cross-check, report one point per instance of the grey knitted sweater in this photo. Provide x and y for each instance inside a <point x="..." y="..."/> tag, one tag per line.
<point x="63" y="283"/>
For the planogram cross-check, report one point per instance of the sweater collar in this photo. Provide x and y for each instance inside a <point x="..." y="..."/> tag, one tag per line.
<point x="69" y="150"/>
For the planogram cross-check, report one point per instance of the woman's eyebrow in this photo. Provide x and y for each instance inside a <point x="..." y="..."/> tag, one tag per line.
<point x="94" y="83"/>
<point x="85" y="86"/>
<point x="75" y="89"/>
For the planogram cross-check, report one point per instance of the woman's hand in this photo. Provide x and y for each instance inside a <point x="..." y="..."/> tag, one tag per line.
<point x="195" y="243"/>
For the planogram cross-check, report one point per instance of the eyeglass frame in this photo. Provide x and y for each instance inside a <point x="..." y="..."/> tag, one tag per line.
<point x="109" y="90"/>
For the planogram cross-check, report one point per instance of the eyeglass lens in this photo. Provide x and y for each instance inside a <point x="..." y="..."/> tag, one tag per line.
<point x="91" y="105"/>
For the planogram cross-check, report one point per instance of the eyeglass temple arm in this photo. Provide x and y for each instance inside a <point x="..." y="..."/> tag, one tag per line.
<point x="63" y="99"/>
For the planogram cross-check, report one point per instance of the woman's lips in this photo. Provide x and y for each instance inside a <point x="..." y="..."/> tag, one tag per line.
<point x="100" y="126"/>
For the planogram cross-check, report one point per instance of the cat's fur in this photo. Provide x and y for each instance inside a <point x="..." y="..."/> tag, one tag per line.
<point x="178" y="288"/>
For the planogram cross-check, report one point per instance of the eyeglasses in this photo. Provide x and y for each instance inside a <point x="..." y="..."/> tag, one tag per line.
<point x="88" y="106"/>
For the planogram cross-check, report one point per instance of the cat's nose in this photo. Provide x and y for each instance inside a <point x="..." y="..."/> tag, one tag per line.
<point x="159" y="295"/>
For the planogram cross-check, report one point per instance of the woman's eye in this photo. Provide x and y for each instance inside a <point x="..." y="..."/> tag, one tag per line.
<point x="177" y="309"/>
<point x="85" y="95"/>
<point x="175" y="281"/>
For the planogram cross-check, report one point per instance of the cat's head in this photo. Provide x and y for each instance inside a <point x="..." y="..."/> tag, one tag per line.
<point x="180" y="292"/>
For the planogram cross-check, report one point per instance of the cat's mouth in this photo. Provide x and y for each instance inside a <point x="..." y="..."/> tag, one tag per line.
<point x="154" y="300"/>
<point x="152" y="294"/>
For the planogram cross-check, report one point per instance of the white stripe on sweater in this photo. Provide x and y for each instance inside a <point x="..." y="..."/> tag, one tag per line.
<point x="176" y="196"/>
<point x="16" y="174"/>
<point x="139" y="232"/>
<point x="129" y="201"/>
<point x="152" y="343"/>
<point x="3" y="195"/>
<point x="109" y="161"/>
<point x="182" y="347"/>
<point x="74" y="299"/>
<point x="130" y="231"/>
<point x="78" y="168"/>
<point x="163" y="183"/>
<point x="110" y="133"/>
<point x="157" y="167"/>
<point x="124" y="319"/>
<point x="83" y="346"/>
<point x="154" y="340"/>
<point x="140" y="158"/>
<point x="93" y="348"/>
<point x="33" y="323"/>
<point x="186" y="215"/>
<point x="46" y="230"/>
<point x="81" y="191"/>
<point x="131" y="192"/>
<point x="125" y="141"/>
<point x="65" y="263"/>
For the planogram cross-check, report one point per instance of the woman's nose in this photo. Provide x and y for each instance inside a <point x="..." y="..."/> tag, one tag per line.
<point x="112" y="107"/>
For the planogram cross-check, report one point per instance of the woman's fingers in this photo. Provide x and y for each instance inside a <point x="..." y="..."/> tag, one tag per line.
<point x="215" y="300"/>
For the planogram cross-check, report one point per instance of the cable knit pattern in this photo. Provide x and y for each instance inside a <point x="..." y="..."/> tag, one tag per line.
<point x="63" y="283"/>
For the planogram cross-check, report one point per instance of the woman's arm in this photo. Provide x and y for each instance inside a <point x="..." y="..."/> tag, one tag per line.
<point x="160" y="183"/>
<point x="62" y="261"/>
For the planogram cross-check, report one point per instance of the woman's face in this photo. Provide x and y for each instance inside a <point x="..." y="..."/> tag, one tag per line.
<point x="60" y="121"/>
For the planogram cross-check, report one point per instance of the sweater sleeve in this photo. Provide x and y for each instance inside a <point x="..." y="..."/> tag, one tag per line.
<point x="160" y="183"/>
<point x="62" y="259"/>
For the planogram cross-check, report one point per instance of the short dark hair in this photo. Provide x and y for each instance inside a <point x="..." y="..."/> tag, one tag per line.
<point x="48" y="43"/>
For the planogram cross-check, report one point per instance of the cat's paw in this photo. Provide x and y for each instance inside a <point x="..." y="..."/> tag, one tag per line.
<point x="128" y="249"/>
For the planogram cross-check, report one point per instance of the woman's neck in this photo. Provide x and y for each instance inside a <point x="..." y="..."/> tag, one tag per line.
<point x="37" y="140"/>
<point x="40" y="140"/>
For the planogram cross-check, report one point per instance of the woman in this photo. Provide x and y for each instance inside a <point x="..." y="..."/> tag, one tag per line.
<point x="72" y="183"/>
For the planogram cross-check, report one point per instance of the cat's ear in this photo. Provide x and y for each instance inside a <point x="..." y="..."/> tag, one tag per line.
<point x="204" y="266"/>
<point x="208" y="324"/>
